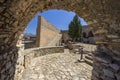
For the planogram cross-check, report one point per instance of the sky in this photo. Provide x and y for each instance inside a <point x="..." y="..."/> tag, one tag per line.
<point x="59" y="18"/>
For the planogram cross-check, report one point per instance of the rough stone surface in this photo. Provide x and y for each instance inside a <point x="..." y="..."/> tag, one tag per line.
<point x="37" y="52"/>
<point x="58" y="67"/>
<point x="46" y="33"/>
<point x="86" y="47"/>
<point x="118" y="76"/>
<point x="103" y="15"/>
<point x="115" y="67"/>
<point x="109" y="73"/>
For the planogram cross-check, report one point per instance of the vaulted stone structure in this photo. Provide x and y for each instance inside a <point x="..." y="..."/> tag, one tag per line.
<point x="103" y="15"/>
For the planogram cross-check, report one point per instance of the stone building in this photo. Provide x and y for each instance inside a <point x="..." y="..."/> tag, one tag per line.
<point x="87" y="35"/>
<point x="29" y="42"/>
<point x="65" y="36"/>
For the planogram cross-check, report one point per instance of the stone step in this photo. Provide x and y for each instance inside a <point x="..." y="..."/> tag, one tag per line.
<point x="90" y="54"/>
<point x="88" y="61"/>
<point x="89" y="57"/>
<point x="113" y="37"/>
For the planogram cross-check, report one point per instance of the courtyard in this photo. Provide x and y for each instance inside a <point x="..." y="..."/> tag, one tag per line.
<point x="102" y="15"/>
<point x="59" y="66"/>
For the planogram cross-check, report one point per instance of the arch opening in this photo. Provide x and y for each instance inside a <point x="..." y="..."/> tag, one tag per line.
<point x="59" y="19"/>
<point x="102" y="15"/>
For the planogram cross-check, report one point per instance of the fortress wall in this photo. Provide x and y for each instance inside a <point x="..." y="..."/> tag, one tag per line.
<point x="47" y="33"/>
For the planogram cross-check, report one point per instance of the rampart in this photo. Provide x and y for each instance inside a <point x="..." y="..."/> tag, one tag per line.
<point x="46" y="33"/>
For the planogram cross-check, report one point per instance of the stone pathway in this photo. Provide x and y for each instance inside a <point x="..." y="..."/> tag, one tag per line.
<point x="60" y="66"/>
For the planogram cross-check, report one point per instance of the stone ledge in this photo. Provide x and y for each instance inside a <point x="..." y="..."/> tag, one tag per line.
<point x="41" y="51"/>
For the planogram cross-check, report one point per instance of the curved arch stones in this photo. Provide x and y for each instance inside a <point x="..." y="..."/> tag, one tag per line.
<point x="102" y="15"/>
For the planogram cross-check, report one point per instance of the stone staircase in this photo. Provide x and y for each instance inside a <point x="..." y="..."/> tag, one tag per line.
<point x="88" y="49"/>
<point x="89" y="58"/>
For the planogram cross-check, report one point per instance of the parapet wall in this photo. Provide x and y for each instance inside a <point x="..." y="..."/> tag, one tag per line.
<point x="36" y="52"/>
<point x="88" y="47"/>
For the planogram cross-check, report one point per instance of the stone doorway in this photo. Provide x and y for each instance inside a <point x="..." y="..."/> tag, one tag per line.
<point x="103" y="15"/>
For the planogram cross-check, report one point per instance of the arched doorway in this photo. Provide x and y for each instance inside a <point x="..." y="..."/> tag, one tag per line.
<point x="103" y="15"/>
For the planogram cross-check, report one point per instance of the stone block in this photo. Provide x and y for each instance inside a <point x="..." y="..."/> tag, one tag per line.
<point x="117" y="76"/>
<point x="108" y="78"/>
<point x="116" y="52"/>
<point x="8" y="65"/>
<point x="103" y="59"/>
<point x="104" y="64"/>
<point x="108" y="73"/>
<point x="1" y="57"/>
<point x="116" y="58"/>
<point x="96" y="73"/>
<point x="95" y="78"/>
<point x="5" y="55"/>
<point x="115" y="67"/>
<point x="11" y="70"/>
<point x="2" y="77"/>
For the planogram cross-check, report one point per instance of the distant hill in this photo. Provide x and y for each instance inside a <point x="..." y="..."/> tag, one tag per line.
<point x="29" y="35"/>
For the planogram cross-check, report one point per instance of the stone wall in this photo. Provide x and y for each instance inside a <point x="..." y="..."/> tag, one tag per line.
<point x="65" y="36"/>
<point x="12" y="63"/>
<point x="103" y="14"/>
<point x="36" y="52"/>
<point x="46" y="33"/>
<point x="87" y="47"/>
<point x="19" y="67"/>
<point x="106" y="64"/>
<point x="8" y="64"/>
<point x="56" y="41"/>
<point x="20" y="60"/>
<point x="87" y="35"/>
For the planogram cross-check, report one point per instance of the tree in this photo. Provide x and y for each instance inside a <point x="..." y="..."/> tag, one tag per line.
<point x="75" y="29"/>
<point x="71" y="30"/>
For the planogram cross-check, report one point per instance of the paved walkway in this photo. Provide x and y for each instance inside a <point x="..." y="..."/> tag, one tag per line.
<point x="60" y="66"/>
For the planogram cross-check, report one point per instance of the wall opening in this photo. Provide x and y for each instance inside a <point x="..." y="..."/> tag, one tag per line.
<point x="59" y="19"/>
<point x="103" y="15"/>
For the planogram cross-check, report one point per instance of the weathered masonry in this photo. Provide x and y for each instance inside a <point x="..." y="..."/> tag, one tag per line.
<point x="47" y="34"/>
<point x="102" y="15"/>
<point x="87" y="35"/>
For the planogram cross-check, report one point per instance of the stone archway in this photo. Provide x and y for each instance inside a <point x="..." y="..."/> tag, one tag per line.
<point x="102" y="15"/>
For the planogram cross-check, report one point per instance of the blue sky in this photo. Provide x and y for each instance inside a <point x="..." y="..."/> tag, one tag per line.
<point x="58" y="18"/>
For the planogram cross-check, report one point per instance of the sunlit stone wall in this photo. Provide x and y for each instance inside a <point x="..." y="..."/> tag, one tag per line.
<point x="46" y="33"/>
<point x="104" y="14"/>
